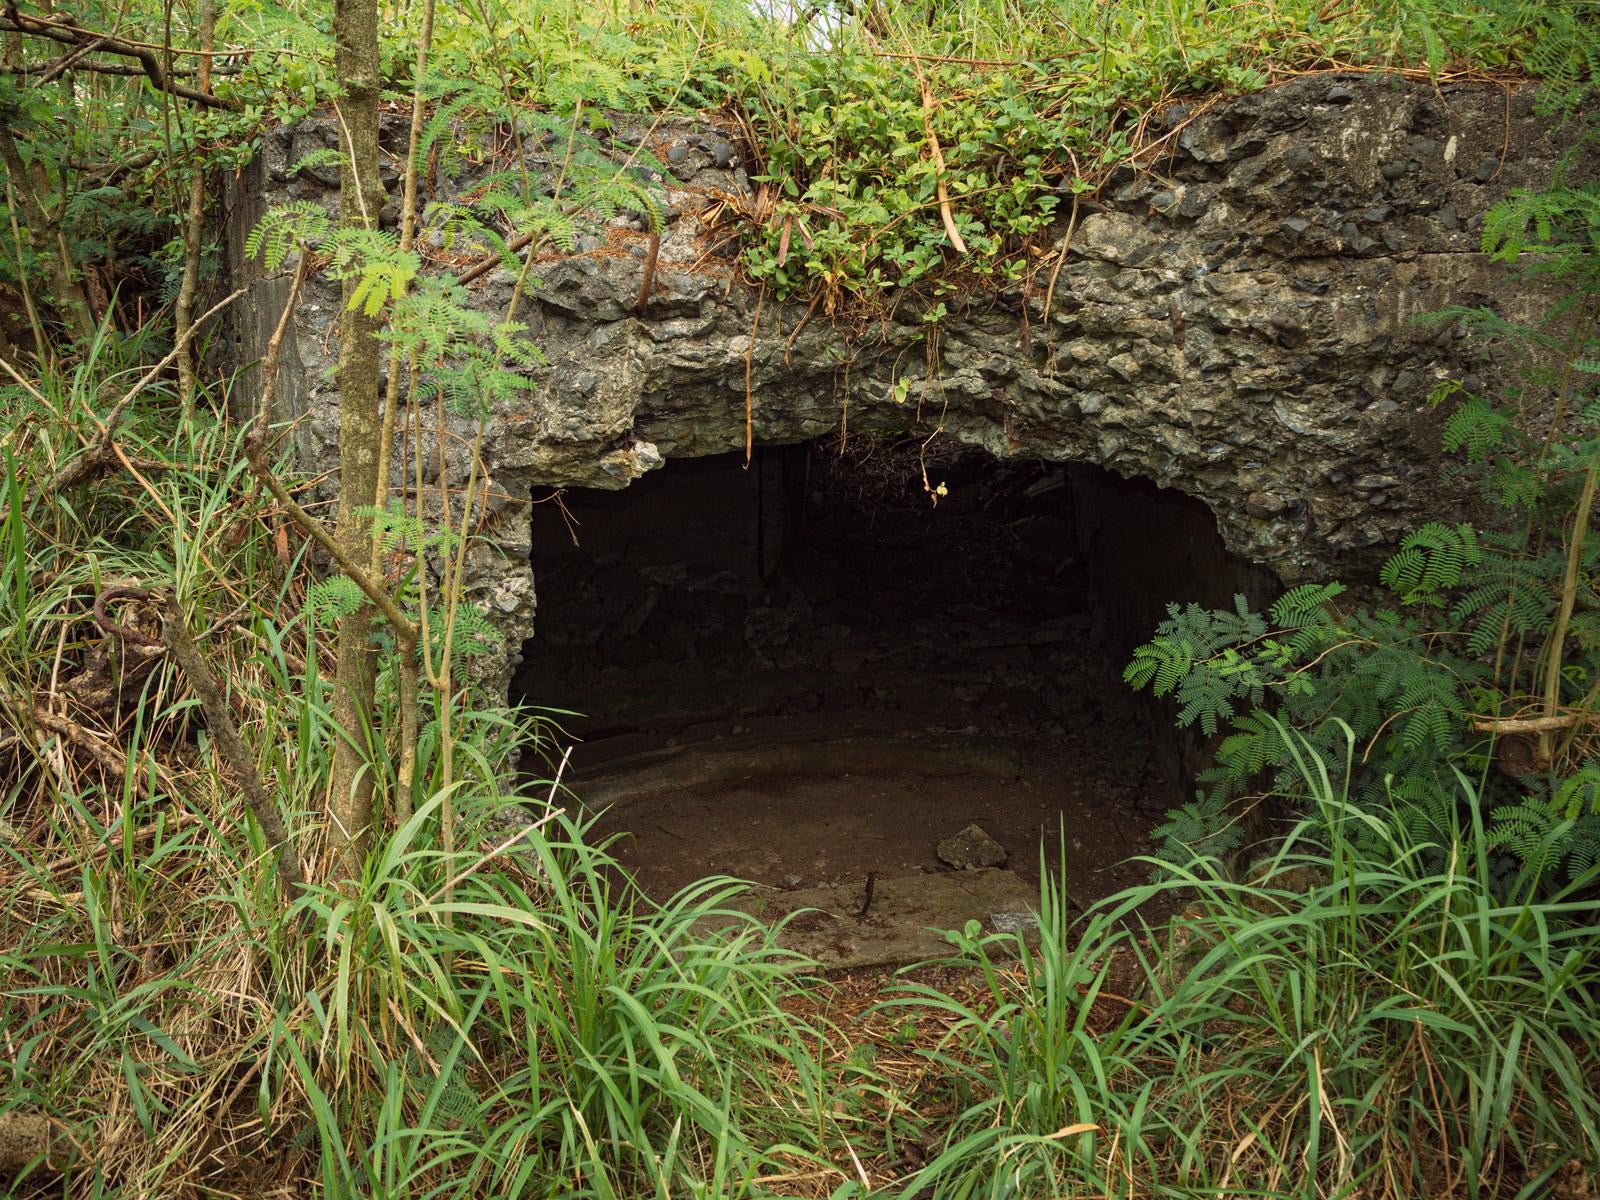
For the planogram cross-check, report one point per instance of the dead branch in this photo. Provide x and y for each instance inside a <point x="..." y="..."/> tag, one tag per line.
<point x="946" y="213"/>
<point x="219" y="719"/>
<point x="111" y="760"/>
<point x="12" y="21"/>
<point x="405" y="629"/>
<point x="97" y="458"/>
<point x="225" y="736"/>
<point x="114" y="627"/>
<point x="44" y="72"/>
<point x="48" y="72"/>
<point x="647" y="281"/>
<point x="1510" y="725"/>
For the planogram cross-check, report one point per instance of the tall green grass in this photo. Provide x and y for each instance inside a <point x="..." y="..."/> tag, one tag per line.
<point x="1375" y="1015"/>
<point x="545" y="1030"/>
<point x="1378" y="1016"/>
<point x="514" y="1018"/>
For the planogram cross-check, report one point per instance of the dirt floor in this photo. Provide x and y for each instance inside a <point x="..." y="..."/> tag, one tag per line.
<point x="796" y="824"/>
<point x="901" y="671"/>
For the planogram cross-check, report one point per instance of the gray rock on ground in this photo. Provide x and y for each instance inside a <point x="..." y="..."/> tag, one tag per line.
<point x="972" y="849"/>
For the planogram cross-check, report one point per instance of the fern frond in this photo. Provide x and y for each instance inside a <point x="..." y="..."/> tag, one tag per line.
<point x="332" y="599"/>
<point x="1430" y="561"/>
<point x="280" y="230"/>
<point x="1477" y="428"/>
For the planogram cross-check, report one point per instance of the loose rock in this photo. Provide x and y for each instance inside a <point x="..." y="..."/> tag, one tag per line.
<point x="972" y="849"/>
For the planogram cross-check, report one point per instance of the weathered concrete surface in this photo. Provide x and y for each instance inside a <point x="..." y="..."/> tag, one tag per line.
<point x="1235" y="321"/>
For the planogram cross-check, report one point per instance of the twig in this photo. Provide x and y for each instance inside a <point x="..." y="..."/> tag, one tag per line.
<point x="22" y="382"/>
<point x="405" y="629"/>
<point x="179" y="344"/>
<point x="1131" y="1003"/>
<point x="1504" y="725"/>
<point x="804" y="321"/>
<point x="269" y="362"/>
<point x="468" y="872"/>
<point x="84" y="466"/>
<point x="70" y="61"/>
<point x="50" y="71"/>
<point x="1055" y="272"/>
<point x="111" y="760"/>
<point x="866" y="902"/>
<point x="1569" y="595"/>
<point x="648" y="280"/>
<point x="114" y="627"/>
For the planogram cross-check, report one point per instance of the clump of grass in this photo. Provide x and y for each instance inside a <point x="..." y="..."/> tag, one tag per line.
<point x="545" y="1022"/>
<point x="1379" y="1016"/>
<point x="510" y="1018"/>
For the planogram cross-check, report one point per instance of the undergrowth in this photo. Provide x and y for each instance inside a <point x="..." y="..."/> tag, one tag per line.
<point x="1377" y="1012"/>
<point x="1482" y="652"/>
<point x="511" y="1018"/>
<point x="898" y="149"/>
<point x="1374" y="1015"/>
<point x="1400" y="1002"/>
<point x="900" y="146"/>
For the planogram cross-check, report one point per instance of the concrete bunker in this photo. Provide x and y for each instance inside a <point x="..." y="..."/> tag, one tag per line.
<point x="1237" y="324"/>
<point x="805" y="672"/>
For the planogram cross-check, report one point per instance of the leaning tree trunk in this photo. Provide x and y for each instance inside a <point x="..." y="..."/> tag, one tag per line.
<point x="361" y="195"/>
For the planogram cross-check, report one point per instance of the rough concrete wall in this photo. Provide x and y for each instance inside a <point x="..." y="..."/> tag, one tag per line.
<point x="1235" y="322"/>
<point x="248" y="325"/>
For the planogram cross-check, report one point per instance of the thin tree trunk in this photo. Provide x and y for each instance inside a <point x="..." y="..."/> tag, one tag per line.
<point x="391" y="402"/>
<point x="1569" y="596"/>
<point x="194" y="226"/>
<point x="361" y="196"/>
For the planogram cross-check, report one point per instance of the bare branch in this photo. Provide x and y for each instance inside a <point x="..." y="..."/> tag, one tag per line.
<point x="12" y="21"/>
<point x="225" y="736"/>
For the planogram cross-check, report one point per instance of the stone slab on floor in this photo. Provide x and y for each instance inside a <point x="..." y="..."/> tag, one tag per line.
<point x="899" y="926"/>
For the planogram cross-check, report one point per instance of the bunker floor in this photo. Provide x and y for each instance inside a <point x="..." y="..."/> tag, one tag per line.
<point x="820" y="718"/>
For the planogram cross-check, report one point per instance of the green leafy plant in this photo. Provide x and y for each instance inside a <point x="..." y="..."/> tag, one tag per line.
<point x="1203" y="827"/>
<point x="1380" y="1011"/>
<point x="1486" y="625"/>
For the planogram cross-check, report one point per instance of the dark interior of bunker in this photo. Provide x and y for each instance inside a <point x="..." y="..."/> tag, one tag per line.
<point x="819" y="666"/>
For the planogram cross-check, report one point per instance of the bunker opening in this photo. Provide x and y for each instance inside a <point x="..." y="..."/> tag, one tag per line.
<point x="877" y="674"/>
